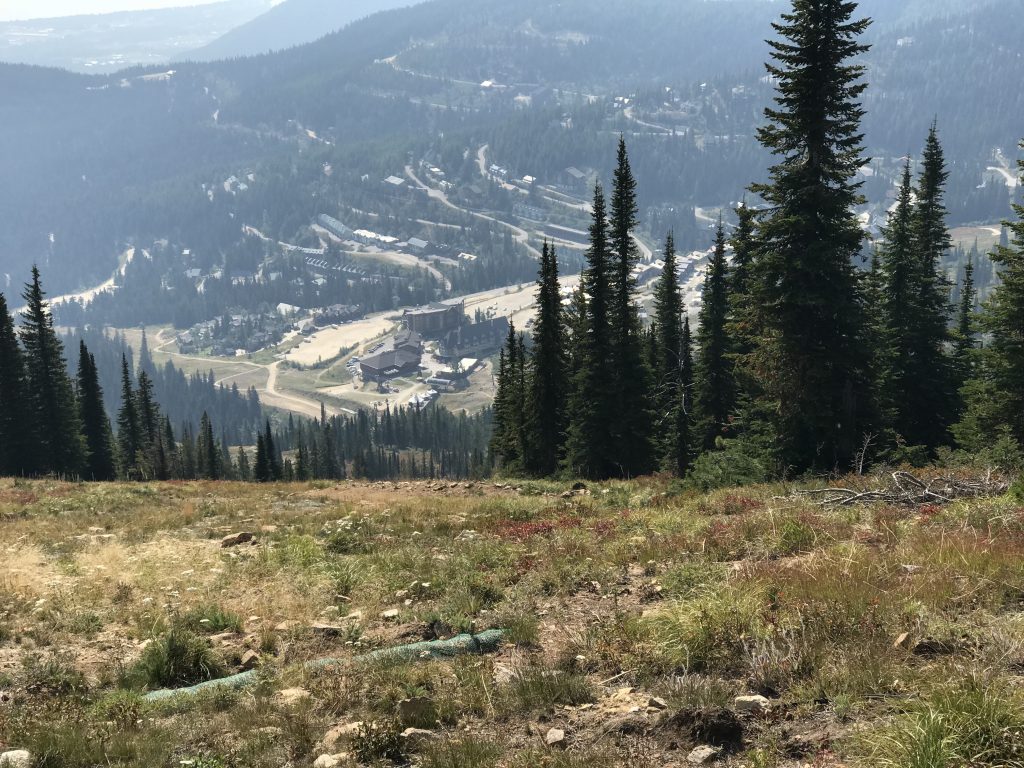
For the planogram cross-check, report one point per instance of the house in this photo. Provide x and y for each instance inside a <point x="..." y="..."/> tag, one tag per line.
<point x="474" y="340"/>
<point x="395" y="181"/>
<point x="574" y="178"/>
<point x="335" y="227"/>
<point x="436" y="319"/>
<point x="417" y="244"/>
<point x="399" y="357"/>
<point x="287" y="310"/>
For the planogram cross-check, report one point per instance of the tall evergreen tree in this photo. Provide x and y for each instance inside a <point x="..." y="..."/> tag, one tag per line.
<point x="932" y="397"/>
<point x="684" y="414"/>
<point x="668" y="356"/>
<point x="744" y="249"/>
<point x="965" y="337"/>
<point x="50" y="397"/>
<point x="631" y="418"/>
<point x="546" y="415"/>
<point x="589" y="447"/>
<point x="811" y="361"/>
<point x="715" y="391"/>
<point x="995" y="395"/>
<point x="261" y="467"/>
<point x="273" y="455"/>
<point x="129" y="428"/>
<point x="96" y="429"/>
<point x="209" y="456"/>
<point x="507" y="437"/>
<point x="16" y="437"/>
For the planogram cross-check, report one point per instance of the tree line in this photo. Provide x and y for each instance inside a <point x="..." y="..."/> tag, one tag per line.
<point x="803" y="361"/>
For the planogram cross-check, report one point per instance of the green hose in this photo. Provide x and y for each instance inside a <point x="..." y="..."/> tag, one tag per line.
<point x="462" y="645"/>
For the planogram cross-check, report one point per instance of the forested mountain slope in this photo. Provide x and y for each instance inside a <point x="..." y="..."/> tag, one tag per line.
<point x="93" y="163"/>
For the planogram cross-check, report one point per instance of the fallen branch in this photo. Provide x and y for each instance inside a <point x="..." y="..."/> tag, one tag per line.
<point x="906" y="489"/>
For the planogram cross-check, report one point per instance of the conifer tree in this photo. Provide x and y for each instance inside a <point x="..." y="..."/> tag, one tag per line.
<point x="668" y="353"/>
<point x="965" y="336"/>
<point x="129" y="428"/>
<point x="932" y="397"/>
<point x="242" y="467"/>
<point x="684" y="414"/>
<point x="588" y="448"/>
<point x="631" y="417"/>
<point x="744" y="248"/>
<point x="261" y="468"/>
<point x="96" y="429"/>
<point x="995" y="395"/>
<point x="546" y="415"/>
<point x="811" y="360"/>
<point x="507" y="438"/>
<point x="50" y="401"/>
<point x="15" y="436"/>
<point x="273" y="456"/>
<point x="715" y="391"/>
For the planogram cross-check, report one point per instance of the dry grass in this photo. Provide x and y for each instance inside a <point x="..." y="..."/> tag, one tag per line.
<point x="860" y="624"/>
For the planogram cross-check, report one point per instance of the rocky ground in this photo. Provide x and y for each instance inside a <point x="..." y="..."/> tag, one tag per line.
<point x="644" y="624"/>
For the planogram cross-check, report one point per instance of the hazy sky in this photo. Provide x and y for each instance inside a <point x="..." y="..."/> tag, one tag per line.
<point x="11" y="10"/>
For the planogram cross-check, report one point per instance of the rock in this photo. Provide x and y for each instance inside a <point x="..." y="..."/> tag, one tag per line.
<point x="655" y="703"/>
<point x="340" y="733"/>
<point x="418" y="710"/>
<point x="286" y="626"/>
<point x="390" y="615"/>
<point x="250" y="660"/>
<point x="328" y="630"/>
<point x="703" y="755"/>
<point x="235" y="539"/>
<point x="331" y="761"/>
<point x="416" y="737"/>
<point x="752" y="705"/>
<point x="902" y="641"/>
<point x="293" y="695"/>
<point x="556" y="738"/>
<point x="6" y="699"/>
<point x="16" y="758"/>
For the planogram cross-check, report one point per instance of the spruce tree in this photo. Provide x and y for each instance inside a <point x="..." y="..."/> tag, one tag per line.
<point x="995" y="395"/>
<point x="50" y="402"/>
<point x="548" y="385"/>
<point x="715" y="390"/>
<point x="261" y="467"/>
<point x="242" y="467"/>
<point x="684" y="414"/>
<point x="811" y="361"/>
<point x="209" y="455"/>
<point x="631" y="417"/>
<point x="744" y="249"/>
<point x="100" y="465"/>
<point x="965" y="336"/>
<point x="668" y="354"/>
<point x="129" y="429"/>
<point x="273" y="456"/>
<point x="932" y="397"/>
<point x="16" y="438"/>
<point x="588" y="446"/>
<point x="507" y="438"/>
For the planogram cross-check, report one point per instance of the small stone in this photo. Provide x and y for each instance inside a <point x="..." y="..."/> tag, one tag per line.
<point x="327" y="630"/>
<point x="754" y="705"/>
<point x="390" y="615"/>
<point x="286" y="626"/>
<point x="901" y="641"/>
<point x="6" y="699"/>
<point x="293" y="695"/>
<point x="655" y="703"/>
<point x="235" y="539"/>
<point x="555" y="738"/>
<point x="703" y="755"/>
<point x="250" y="660"/>
<point x="415" y="737"/>
<point x="16" y="758"/>
<point x="331" y="761"/>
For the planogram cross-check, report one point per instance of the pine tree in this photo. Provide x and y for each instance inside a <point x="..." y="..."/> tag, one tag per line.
<point x="668" y="356"/>
<point x="242" y="468"/>
<point x="811" y="361"/>
<point x="744" y="248"/>
<point x="715" y="391"/>
<point x="506" y="440"/>
<point x="273" y="456"/>
<point x="995" y="395"/>
<point x="261" y="468"/>
<point x="50" y="397"/>
<point x="209" y="456"/>
<point x="129" y="428"/>
<point x="684" y="414"/>
<point x="965" y="336"/>
<point x="588" y="446"/>
<point x="96" y="429"/>
<point x="932" y="397"/>
<point x="548" y="385"/>
<point x="15" y="436"/>
<point x="631" y="417"/>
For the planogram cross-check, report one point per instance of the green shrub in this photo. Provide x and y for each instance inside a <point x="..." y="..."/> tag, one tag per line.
<point x="536" y="689"/>
<point x="378" y="741"/>
<point x="178" y="658"/>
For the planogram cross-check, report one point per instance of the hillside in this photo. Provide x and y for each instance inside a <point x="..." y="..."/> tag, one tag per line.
<point x="291" y="23"/>
<point x="634" y="616"/>
<point x="105" y="43"/>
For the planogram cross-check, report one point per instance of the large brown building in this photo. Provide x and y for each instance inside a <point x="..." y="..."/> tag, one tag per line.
<point x="435" y="320"/>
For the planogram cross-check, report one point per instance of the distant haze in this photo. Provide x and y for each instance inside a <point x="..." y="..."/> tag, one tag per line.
<point x="19" y="10"/>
